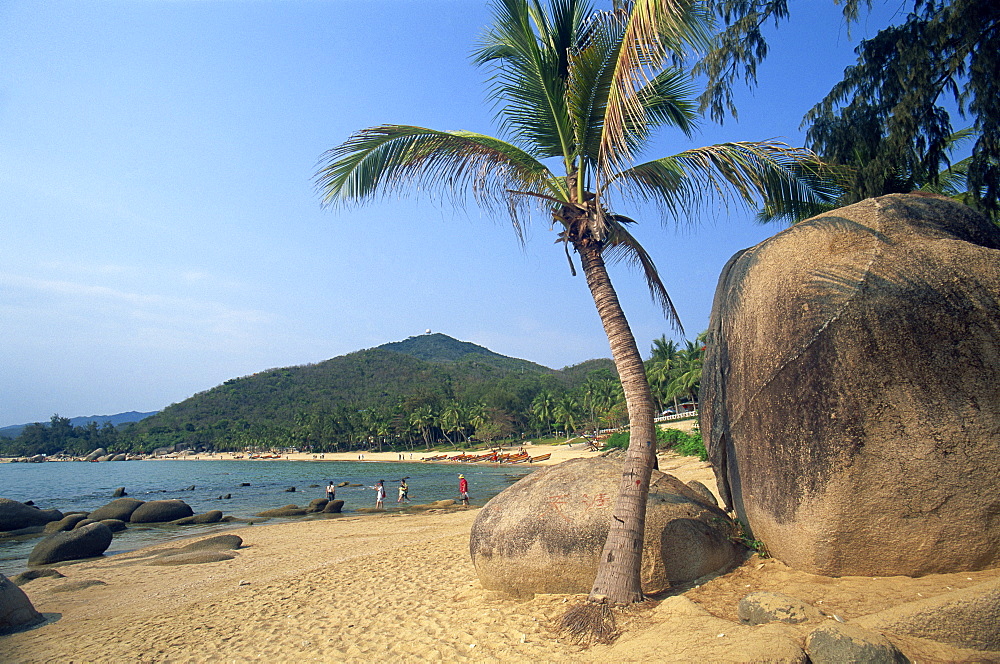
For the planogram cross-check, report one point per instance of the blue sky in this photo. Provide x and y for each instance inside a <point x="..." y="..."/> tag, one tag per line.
<point x="160" y="233"/>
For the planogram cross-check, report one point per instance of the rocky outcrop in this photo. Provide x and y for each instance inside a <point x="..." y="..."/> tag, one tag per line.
<point x="15" y="515"/>
<point x="119" y="492"/>
<point x="16" y="610"/>
<point x="848" y="392"/>
<point x="120" y="509"/>
<point x="86" y="542"/>
<point x="161" y="511"/>
<point x="287" y="510"/>
<point x="967" y="618"/>
<point x="836" y="643"/>
<point x="32" y="574"/>
<point x="96" y="454"/>
<point x="545" y="533"/>
<point x="212" y="516"/>
<point x="68" y="522"/>
<point x="317" y="505"/>
<point x="333" y="507"/>
<point x="763" y="607"/>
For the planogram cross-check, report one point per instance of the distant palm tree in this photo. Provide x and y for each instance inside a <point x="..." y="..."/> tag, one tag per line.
<point x="660" y="368"/>
<point x="542" y="407"/>
<point x="567" y="413"/>
<point x="580" y="93"/>
<point x="423" y="418"/>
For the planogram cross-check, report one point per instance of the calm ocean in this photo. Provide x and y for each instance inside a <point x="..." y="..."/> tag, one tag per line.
<point x="76" y="486"/>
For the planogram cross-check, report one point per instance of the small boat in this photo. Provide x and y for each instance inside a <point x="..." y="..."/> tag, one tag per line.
<point x="541" y="457"/>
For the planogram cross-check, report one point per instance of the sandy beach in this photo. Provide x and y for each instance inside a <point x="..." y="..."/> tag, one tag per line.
<point x="402" y="588"/>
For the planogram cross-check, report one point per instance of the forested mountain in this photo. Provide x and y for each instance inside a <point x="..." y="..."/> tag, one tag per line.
<point x="422" y="389"/>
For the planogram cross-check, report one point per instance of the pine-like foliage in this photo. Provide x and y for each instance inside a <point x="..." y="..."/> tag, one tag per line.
<point x="889" y="107"/>
<point x="885" y="128"/>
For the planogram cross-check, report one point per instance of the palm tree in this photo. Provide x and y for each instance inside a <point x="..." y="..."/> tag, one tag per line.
<point x="579" y="92"/>
<point x="661" y="368"/>
<point x="567" y="412"/>
<point x="686" y="379"/>
<point x="423" y="419"/>
<point x="542" y="407"/>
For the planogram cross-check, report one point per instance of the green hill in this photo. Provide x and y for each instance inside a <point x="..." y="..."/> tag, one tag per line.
<point x="442" y="348"/>
<point x="362" y="396"/>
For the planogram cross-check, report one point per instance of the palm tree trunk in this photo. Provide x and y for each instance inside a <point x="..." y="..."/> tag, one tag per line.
<point x="619" y="573"/>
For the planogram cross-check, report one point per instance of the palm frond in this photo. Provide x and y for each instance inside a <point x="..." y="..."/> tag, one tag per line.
<point x="656" y="31"/>
<point x="753" y="171"/>
<point x="621" y="246"/>
<point x="390" y="159"/>
<point x="529" y="49"/>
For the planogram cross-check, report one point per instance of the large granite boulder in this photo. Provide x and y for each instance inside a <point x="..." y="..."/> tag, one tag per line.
<point x="86" y="542"/>
<point x="15" y="515"/>
<point x="16" y="610"/>
<point x="160" y="511"/>
<point x="849" y="392"/>
<point x="120" y="509"/>
<point x="545" y="533"/>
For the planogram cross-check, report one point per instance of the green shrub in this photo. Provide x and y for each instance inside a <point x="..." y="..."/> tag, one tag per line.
<point x="685" y="444"/>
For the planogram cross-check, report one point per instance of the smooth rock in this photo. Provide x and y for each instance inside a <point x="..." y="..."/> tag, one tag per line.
<point x="16" y="610"/>
<point x="213" y="516"/>
<point x="287" y="510"/>
<point x="836" y="643"/>
<point x="115" y="525"/>
<point x="15" y="515"/>
<point x="759" y="608"/>
<point x="32" y="574"/>
<point x="68" y="522"/>
<point x="87" y="542"/>
<point x="848" y="397"/>
<point x="967" y="618"/>
<point x="161" y="511"/>
<point x="120" y="509"/>
<point x="545" y="533"/>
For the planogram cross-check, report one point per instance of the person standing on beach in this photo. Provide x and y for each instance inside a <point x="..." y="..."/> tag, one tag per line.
<point x="379" y="494"/>
<point x="463" y="488"/>
<point x="331" y="491"/>
<point x="403" y="490"/>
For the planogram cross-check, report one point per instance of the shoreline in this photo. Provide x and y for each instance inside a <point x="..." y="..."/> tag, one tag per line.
<point x="401" y="588"/>
<point x="559" y="452"/>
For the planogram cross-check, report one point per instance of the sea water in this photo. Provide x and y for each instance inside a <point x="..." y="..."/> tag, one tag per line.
<point x="78" y="486"/>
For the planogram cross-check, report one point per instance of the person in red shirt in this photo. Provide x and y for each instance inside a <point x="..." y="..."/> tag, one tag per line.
<point x="463" y="488"/>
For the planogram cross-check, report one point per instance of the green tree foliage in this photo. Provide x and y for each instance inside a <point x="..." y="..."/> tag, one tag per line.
<point x="884" y="128"/>
<point x="685" y="444"/>
<point x="675" y="372"/>
<point x="889" y="105"/>
<point x="60" y="436"/>
<point x="366" y="400"/>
